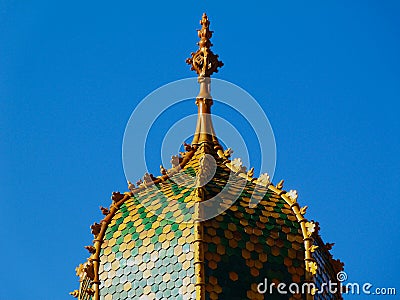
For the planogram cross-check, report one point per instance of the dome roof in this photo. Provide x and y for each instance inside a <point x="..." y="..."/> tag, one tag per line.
<point x="205" y="228"/>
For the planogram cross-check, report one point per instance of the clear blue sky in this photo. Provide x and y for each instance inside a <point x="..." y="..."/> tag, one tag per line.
<point x="71" y="73"/>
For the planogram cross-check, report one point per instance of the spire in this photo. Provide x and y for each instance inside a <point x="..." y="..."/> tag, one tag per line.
<point x="205" y="63"/>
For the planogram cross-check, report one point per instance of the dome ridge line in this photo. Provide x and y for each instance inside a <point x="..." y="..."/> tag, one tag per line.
<point x="310" y="231"/>
<point x="169" y="173"/>
<point x="98" y="230"/>
<point x="198" y="243"/>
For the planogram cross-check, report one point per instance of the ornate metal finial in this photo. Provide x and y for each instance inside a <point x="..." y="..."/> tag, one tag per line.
<point x="204" y="61"/>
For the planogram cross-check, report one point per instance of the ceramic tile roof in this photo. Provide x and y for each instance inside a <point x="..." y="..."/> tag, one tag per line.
<point x="148" y="247"/>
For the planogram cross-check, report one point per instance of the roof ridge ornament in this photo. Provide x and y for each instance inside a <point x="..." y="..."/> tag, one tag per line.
<point x="204" y="61"/>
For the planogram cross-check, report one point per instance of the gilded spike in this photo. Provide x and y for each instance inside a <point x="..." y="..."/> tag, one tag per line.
<point x="204" y="61"/>
<point x="280" y="184"/>
<point x="250" y="173"/>
<point x="303" y="210"/>
<point x="163" y="170"/>
<point x="228" y="152"/>
<point x="131" y="186"/>
<point x="74" y="293"/>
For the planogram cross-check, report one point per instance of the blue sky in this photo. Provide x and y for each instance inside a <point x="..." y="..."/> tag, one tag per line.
<point x="71" y="73"/>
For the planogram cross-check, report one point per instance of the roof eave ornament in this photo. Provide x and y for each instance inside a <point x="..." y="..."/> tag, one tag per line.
<point x="204" y="62"/>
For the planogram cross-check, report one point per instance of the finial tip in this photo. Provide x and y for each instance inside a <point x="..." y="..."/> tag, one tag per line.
<point x="204" y="61"/>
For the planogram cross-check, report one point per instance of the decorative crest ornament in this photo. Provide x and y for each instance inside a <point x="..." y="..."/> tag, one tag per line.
<point x="163" y="170"/>
<point x="263" y="180"/>
<point x="329" y="246"/>
<point x="116" y="196"/>
<point x="310" y="226"/>
<point x="236" y="165"/>
<point x="206" y="171"/>
<point x="175" y="160"/>
<point x="148" y="178"/>
<point x="105" y="211"/>
<point x="312" y="267"/>
<point x="96" y="227"/>
<point x="292" y="194"/>
<point x="204" y="61"/>
<point x="131" y="186"/>
<point x="80" y="270"/>
<point x="91" y="249"/>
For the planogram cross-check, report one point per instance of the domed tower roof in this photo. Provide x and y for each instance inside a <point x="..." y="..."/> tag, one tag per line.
<point x="206" y="228"/>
